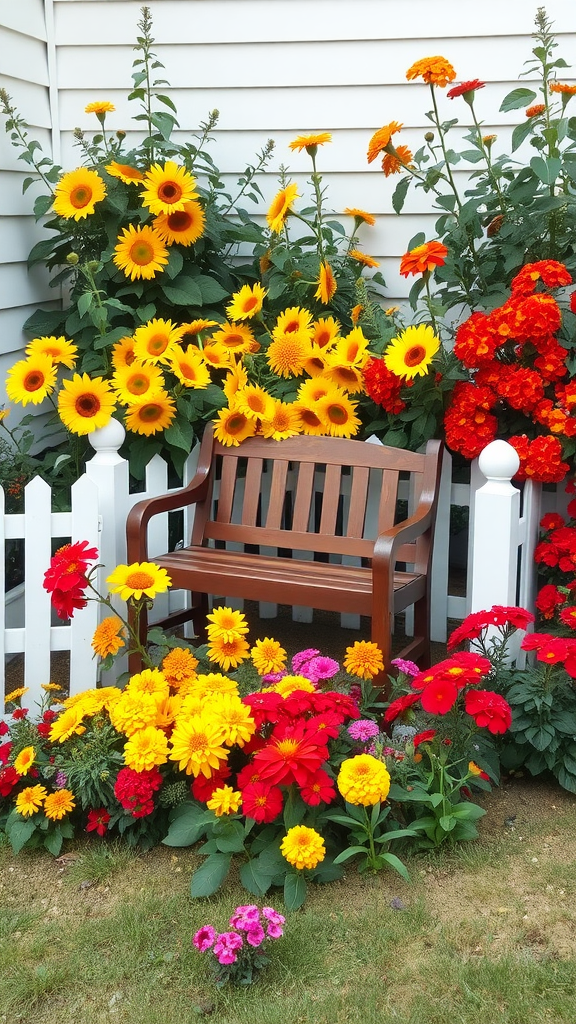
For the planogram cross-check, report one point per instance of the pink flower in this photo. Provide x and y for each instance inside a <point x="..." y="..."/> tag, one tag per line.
<point x="275" y="922"/>
<point x="271" y="678"/>
<point x="320" y="668"/>
<point x="409" y="668"/>
<point x="364" y="729"/>
<point x="204" y="938"/>
<point x="300" y="659"/>
<point x="255" y="936"/>
<point x="225" y="946"/>
<point x="245" y="917"/>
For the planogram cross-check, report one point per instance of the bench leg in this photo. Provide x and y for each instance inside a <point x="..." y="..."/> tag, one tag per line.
<point x="382" y="636"/>
<point x="422" y="629"/>
<point x="200" y="609"/>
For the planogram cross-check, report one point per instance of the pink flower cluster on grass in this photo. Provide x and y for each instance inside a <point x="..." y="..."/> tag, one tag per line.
<point x="256" y="925"/>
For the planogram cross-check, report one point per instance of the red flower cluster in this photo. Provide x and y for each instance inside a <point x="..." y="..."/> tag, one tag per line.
<point x="66" y="578"/>
<point x="552" y="650"/>
<point x="8" y="779"/>
<point x="550" y="272"/>
<point x="383" y="386"/>
<point x="469" y="425"/>
<point x="499" y="615"/>
<point x="134" y="790"/>
<point x="45" y="725"/>
<point x="540" y="459"/>
<point x="489" y="710"/>
<point x="548" y="599"/>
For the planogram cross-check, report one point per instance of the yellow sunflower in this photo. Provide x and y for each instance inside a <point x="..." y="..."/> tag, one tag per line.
<point x="136" y="381"/>
<point x="411" y="353"/>
<point x="25" y="760"/>
<point x="326" y="284"/>
<point x="108" y="637"/>
<point x="234" y="337"/>
<point x="140" y="252"/>
<point x="315" y="363"/>
<point x="156" y="340"/>
<point x="309" y="142"/>
<point x="184" y="226"/>
<point x="187" y="364"/>
<point x="196" y="745"/>
<point x="325" y="330"/>
<point x="218" y="356"/>
<point x="84" y="404"/>
<point x="247" y="302"/>
<point x="150" y="415"/>
<point x="196" y="327"/>
<point x="288" y="353"/>
<point x="353" y="349"/>
<point x="309" y="421"/>
<point x="58" y="350"/>
<point x="128" y="174"/>
<point x="100" y="107"/>
<point x="123" y="352"/>
<point x="280" y="207"/>
<point x="313" y="390"/>
<point x="343" y="375"/>
<point x="294" y="320"/>
<point x="231" y="426"/>
<point x="132" y="581"/>
<point x="360" y="257"/>
<point x="168" y="189"/>
<point x="282" y="423"/>
<point x="254" y="402"/>
<point x="76" y="194"/>
<point x="338" y="414"/>
<point x="268" y="656"/>
<point x="360" y="215"/>
<point x="228" y="653"/>
<point x="57" y="804"/>
<point x="31" y="380"/>
<point x="236" y="379"/>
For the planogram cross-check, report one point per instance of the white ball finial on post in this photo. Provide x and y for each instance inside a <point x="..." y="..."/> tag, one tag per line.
<point x="496" y="529"/>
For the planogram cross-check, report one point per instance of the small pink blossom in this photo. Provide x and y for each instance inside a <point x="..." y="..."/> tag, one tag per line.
<point x="300" y="659"/>
<point x="409" y="668"/>
<point x="363" y="729"/>
<point x="245" y="917"/>
<point x="271" y="678"/>
<point x="225" y="946"/>
<point x="320" y="668"/>
<point x="205" y="938"/>
<point x="255" y="935"/>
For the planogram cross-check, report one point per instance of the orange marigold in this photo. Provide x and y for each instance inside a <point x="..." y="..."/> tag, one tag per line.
<point x="422" y="258"/>
<point x="381" y="139"/>
<point x="434" y="71"/>
<point x="535" y="110"/>
<point x="394" y="162"/>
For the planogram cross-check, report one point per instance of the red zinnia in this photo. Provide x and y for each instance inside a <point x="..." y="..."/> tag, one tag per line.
<point x="552" y="521"/>
<point x="464" y="87"/>
<point x="489" y="709"/>
<point x="290" y="755"/>
<point x="261" y="802"/>
<point x="66" y="602"/>
<point x="554" y="651"/>
<point x="423" y="258"/>
<point x="264" y="707"/>
<point x="203" y="788"/>
<point x="98" y="821"/>
<point x="423" y="737"/>
<point x="399" y="705"/>
<point x="68" y="566"/>
<point x="439" y="696"/>
<point x="8" y="779"/>
<point x="319" y="789"/>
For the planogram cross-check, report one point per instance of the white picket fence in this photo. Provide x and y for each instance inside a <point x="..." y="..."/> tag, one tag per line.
<point x="499" y="530"/>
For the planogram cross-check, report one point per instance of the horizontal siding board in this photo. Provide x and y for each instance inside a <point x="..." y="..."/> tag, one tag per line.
<point x="12" y="201"/>
<point x="23" y="56"/>
<point x="208" y="21"/>
<point x="17" y="236"/>
<point x="31" y="102"/>
<point x="22" y="289"/>
<point x="25" y="18"/>
<point x="12" y="338"/>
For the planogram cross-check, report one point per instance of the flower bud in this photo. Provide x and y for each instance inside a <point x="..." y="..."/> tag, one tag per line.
<point x="72" y="258"/>
<point x="93" y="266"/>
<point x="120" y="134"/>
<point x="429" y="136"/>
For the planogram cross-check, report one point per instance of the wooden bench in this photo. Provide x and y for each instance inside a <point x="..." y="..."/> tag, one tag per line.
<point x="271" y="489"/>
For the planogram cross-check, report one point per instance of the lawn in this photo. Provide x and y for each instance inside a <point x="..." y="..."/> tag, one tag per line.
<point x="483" y="933"/>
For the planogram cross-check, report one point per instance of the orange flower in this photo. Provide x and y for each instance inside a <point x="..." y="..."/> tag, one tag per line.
<point x="326" y="284"/>
<point x="381" y="139"/>
<point x="360" y="215"/>
<point x="361" y="257"/>
<point x="394" y="162"/>
<point x="434" y="71"/>
<point x="423" y="258"/>
<point x="535" y="110"/>
<point x="568" y="90"/>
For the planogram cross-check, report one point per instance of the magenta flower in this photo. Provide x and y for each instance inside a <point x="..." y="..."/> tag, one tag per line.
<point x="409" y="668"/>
<point x="271" y="678"/>
<point x="275" y="922"/>
<point x="255" y="935"/>
<point x="364" y="729"/>
<point x="226" y="945"/>
<point x="320" y="668"/>
<point x="205" y="938"/>
<point x="302" y="657"/>
<point x="246" y="917"/>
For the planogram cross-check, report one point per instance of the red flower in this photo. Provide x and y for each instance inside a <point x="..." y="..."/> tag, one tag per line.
<point x="552" y="521"/>
<point x="439" y="696"/>
<point x="399" y="705"/>
<point x="488" y="709"/>
<point x="264" y="707"/>
<point x="546" y="553"/>
<point x="326" y="725"/>
<point x="3" y="727"/>
<point x="5" y="752"/>
<point x="319" y="789"/>
<point x="44" y="729"/>
<point x="68" y="567"/>
<point x="464" y="87"/>
<point x="549" y="597"/>
<point x="552" y="274"/>
<point x="19" y="713"/>
<point x="423" y="737"/>
<point x="568" y="616"/>
<point x="203" y="788"/>
<point x="383" y="386"/>
<point x="98" y="821"/>
<point x="134" y="790"/>
<point x="66" y="602"/>
<point x="573" y="301"/>
<point x="8" y="779"/>
<point x="291" y="755"/>
<point x="554" y="651"/>
<point x="247" y="775"/>
<point x="261" y="802"/>
<point x="534" y="641"/>
<point x="337" y="703"/>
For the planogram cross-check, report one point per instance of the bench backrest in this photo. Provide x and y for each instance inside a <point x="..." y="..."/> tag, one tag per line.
<point x="320" y="494"/>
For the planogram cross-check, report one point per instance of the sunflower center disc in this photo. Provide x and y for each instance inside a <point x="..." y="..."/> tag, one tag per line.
<point x="87" y="405"/>
<point x="33" y="380"/>
<point x="139" y="581"/>
<point x="81" y="196"/>
<point x="415" y="355"/>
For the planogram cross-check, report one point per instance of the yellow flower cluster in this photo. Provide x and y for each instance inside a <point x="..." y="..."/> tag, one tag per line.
<point x="363" y="659"/>
<point x="363" y="780"/>
<point x="55" y="805"/>
<point x="226" y="630"/>
<point x="303" y="847"/>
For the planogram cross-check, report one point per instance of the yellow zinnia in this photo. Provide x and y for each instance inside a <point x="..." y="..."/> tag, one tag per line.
<point x="84" y="404"/>
<point x="31" y="380"/>
<point x="236" y="723"/>
<point x="363" y="780"/>
<point x="167" y="189"/>
<point x="228" y="653"/>
<point x="196" y="745"/>
<point x="77" y="193"/>
<point x="226" y="623"/>
<point x="224" y="800"/>
<point x="68" y="724"/>
<point x="231" y="427"/>
<point x="140" y="252"/>
<point x="136" y="381"/>
<point x="30" y="800"/>
<point x="57" y="804"/>
<point x="140" y="578"/>
<point x="25" y="760"/>
<point x="150" y="415"/>
<point x="247" y="302"/>
<point x="108" y="637"/>
<point x="363" y="659"/>
<point x="326" y="284"/>
<point x="178" y="665"/>
<point x="133" y="711"/>
<point x="100" y="107"/>
<point x="183" y="226"/>
<point x="57" y="349"/>
<point x="280" y="207"/>
<point x="411" y="353"/>
<point x="146" y="748"/>
<point x="303" y="847"/>
<point x="290" y="684"/>
<point x="433" y="70"/>
<point x="149" y="680"/>
<point x="210" y="683"/>
<point x="268" y="656"/>
<point x="309" y="142"/>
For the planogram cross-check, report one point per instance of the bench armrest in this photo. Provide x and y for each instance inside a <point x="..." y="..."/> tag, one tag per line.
<point x="141" y="514"/>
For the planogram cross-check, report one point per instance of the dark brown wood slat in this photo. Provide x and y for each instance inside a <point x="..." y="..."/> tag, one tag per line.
<point x="288" y="539"/>
<point x="227" y="486"/>
<point x="388" y="495"/>
<point x="330" y="500"/>
<point x="358" y="498"/>
<point x="303" y="499"/>
<point x="277" y="495"/>
<point x="251" y="492"/>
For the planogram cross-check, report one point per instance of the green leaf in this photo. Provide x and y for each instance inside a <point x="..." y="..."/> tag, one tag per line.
<point x="188" y="825"/>
<point x="447" y="822"/>
<point x="45" y="322"/>
<point x="40" y="252"/>
<point x="165" y="123"/>
<point x="399" y="194"/>
<point x="41" y="206"/>
<point x="350" y="851"/>
<point x="253" y="879"/>
<point x="547" y="170"/>
<point x="211" y="290"/>
<point x="185" y="293"/>
<point x="516" y="99"/>
<point x="294" y="890"/>
<point x="209" y="876"/>
<point x="396" y="863"/>
<point x="175" y="263"/>
<point x="84" y="303"/>
<point x="180" y="434"/>
<point x="166" y="101"/>
<point x="232" y="838"/>
<point x="19" y="832"/>
<point x="53" y="843"/>
<point x="521" y="132"/>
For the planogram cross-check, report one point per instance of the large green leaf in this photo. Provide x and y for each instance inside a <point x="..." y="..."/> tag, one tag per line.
<point x="517" y="98"/>
<point x="294" y="890"/>
<point x="187" y="826"/>
<point x="254" y="879"/>
<point x="209" y="876"/>
<point x="19" y="832"/>
<point x="184" y="293"/>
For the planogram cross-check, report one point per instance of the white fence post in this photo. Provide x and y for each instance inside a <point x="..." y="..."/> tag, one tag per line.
<point x="109" y="471"/>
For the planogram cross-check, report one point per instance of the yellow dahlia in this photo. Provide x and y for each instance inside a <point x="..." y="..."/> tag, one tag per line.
<point x="76" y="194"/>
<point x="228" y="653"/>
<point x="58" y="350"/>
<point x="57" y="804"/>
<point x="227" y="623"/>
<point x="30" y="800"/>
<point x="100" y="107"/>
<point x="338" y="414"/>
<point x="326" y="284"/>
<point x="363" y="659"/>
<point x="268" y="656"/>
<point x="136" y="381"/>
<point x="231" y="427"/>
<point x="196" y="745"/>
<point x="411" y="353"/>
<point x="123" y="353"/>
<point x="361" y="257"/>
<point x="150" y="415"/>
<point x="133" y="581"/>
<point x="140" y="252"/>
<point x="25" y="760"/>
<point x="149" y="680"/>
<point x="283" y="421"/>
<point x="303" y="847"/>
<point x="254" y="402"/>
<point x="187" y="364"/>
<point x="132" y="712"/>
<point x="85" y="403"/>
<point x="31" y="380"/>
<point x="234" y="718"/>
<point x="433" y="70"/>
<point x="224" y="800"/>
<point x="128" y="174"/>
<point x="178" y="665"/>
<point x="68" y="724"/>
<point x="108" y="637"/>
<point x="360" y="215"/>
<point x="156" y="340"/>
<point x="289" y="684"/>
<point x="146" y="748"/>
<point x="363" y="780"/>
<point x="184" y="226"/>
<point x="309" y="142"/>
<point x="280" y="207"/>
<point x="167" y="189"/>
<point x="381" y="139"/>
<point x="247" y="302"/>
